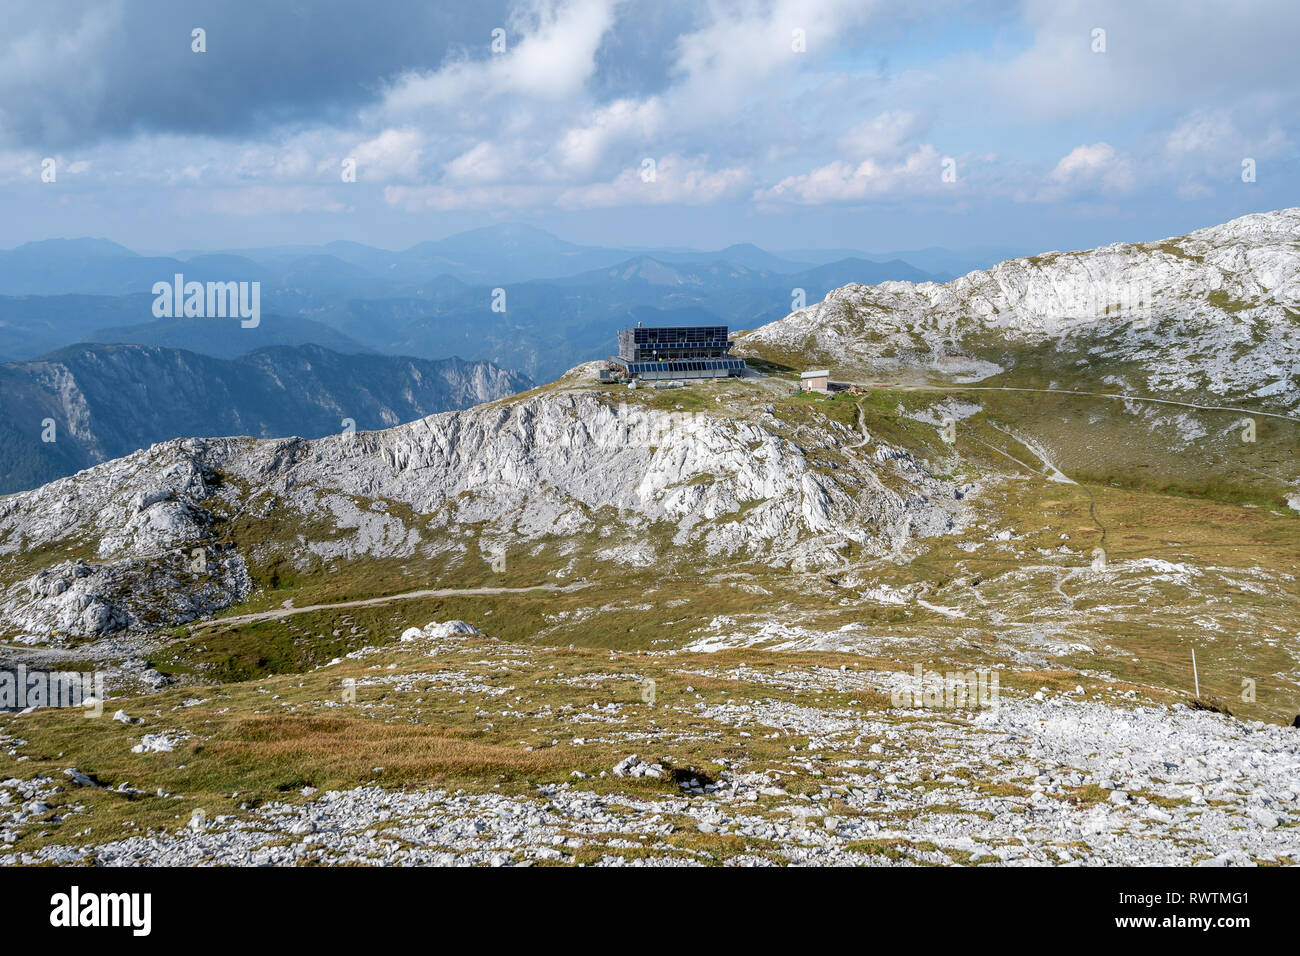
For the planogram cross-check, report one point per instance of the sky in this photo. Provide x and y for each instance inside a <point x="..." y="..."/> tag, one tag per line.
<point x="1043" y="124"/>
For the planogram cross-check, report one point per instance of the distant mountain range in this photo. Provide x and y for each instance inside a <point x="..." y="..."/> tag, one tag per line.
<point x="349" y="331"/>
<point x="494" y="255"/>
<point x="550" y="326"/>
<point x="942" y="264"/>
<point x="547" y="324"/>
<point x="1197" y="334"/>
<point x="33" y="325"/>
<point x="226" y="338"/>
<point x="337" y="300"/>
<point x="108" y="400"/>
<point x="100" y="267"/>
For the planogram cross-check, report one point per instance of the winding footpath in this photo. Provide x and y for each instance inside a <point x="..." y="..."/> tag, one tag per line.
<point x="283" y="612"/>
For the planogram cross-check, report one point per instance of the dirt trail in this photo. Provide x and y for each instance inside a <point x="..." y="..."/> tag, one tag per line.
<point x="283" y="612"/>
<point x="862" y="427"/>
<point x="1118" y="396"/>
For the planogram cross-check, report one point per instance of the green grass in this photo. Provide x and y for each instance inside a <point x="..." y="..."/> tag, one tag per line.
<point x="1139" y="494"/>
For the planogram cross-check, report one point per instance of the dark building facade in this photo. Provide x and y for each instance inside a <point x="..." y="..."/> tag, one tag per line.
<point x="690" y="351"/>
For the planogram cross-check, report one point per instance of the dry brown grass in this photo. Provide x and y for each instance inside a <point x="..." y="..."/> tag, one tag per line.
<point x="334" y="751"/>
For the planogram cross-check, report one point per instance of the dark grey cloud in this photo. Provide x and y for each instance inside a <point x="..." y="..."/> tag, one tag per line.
<point x="637" y="58"/>
<point x="75" y="73"/>
<point x="242" y="145"/>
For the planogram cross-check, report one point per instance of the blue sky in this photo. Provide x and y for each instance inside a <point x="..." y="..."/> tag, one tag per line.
<point x="1054" y="144"/>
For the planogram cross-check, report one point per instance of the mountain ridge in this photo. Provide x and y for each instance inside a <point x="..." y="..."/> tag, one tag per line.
<point x="495" y="255"/>
<point x="1213" y="312"/>
<point x="106" y="400"/>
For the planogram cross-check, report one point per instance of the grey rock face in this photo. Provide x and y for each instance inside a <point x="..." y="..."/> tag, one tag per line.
<point x="1213" y="310"/>
<point x="109" y="400"/>
<point x="561" y="463"/>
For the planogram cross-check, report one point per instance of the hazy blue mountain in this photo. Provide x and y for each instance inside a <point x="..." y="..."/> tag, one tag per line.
<point x="510" y="252"/>
<point x="727" y="275"/>
<point x="743" y="254"/>
<point x="654" y="274"/>
<point x="377" y="262"/>
<point x="97" y="267"/>
<point x="740" y="293"/>
<point x="544" y="330"/>
<point x="943" y="264"/>
<point x="823" y="279"/>
<point x="317" y="268"/>
<point x="951" y="263"/>
<point x="109" y="400"/>
<point x="74" y="251"/>
<point x="442" y="287"/>
<point x="318" y="274"/>
<point x="33" y="325"/>
<point x="496" y="255"/>
<point x="493" y="255"/>
<point x="263" y="254"/>
<point x="227" y="338"/>
<point x="430" y="301"/>
<point x="514" y="252"/>
<point x="548" y="327"/>
<point x="325" y="299"/>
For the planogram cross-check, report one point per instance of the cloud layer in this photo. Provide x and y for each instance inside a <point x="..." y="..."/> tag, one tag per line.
<point x="762" y="107"/>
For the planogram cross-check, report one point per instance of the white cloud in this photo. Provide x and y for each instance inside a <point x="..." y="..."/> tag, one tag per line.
<point x="1208" y="145"/>
<point x="1091" y="166"/>
<point x="394" y="153"/>
<point x="677" y="180"/>
<point x="445" y="198"/>
<point x="1200" y="131"/>
<point x="1159" y="53"/>
<point x="582" y="147"/>
<point x="920" y="172"/>
<point x="885" y="135"/>
<point x="727" y="61"/>
<point x="550" y="55"/>
<point x="482" y="163"/>
<point x="32" y="61"/>
<point x="1250" y="129"/>
<point x="1084" y="162"/>
<point x="555" y="120"/>
<point x="17" y="166"/>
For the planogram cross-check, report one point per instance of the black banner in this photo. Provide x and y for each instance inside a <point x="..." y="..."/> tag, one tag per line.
<point x="145" y="907"/>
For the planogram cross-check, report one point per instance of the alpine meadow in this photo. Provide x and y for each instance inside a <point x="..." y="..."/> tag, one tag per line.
<point x="765" y="433"/>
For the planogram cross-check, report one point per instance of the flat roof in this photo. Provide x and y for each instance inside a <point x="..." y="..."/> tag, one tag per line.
<point x="823" y="373"/>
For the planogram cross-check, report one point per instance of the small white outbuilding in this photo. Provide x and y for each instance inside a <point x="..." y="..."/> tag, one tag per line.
<point x="815" y="381"/>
